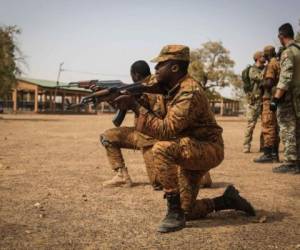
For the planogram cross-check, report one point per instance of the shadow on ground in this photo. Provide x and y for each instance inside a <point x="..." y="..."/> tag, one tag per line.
<point x="220" y="184"/>
<point x="233" y="218"/>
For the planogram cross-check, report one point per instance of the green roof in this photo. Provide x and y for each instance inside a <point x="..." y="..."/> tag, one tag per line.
<point x="50" y="84"/>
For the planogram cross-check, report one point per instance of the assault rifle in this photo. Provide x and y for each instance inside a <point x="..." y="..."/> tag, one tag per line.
<point x="107" y="91"/>
<point x="94" y="85"/>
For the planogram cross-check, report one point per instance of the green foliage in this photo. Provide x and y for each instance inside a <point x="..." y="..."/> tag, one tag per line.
<point x="212" y="65"/>
<point x="9" y="55"/>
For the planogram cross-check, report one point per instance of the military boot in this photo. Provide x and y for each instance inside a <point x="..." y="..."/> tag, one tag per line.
<point x="297" y="169"/>
<point x="122" y="178"/>
<point x="266" y="157"/>
<point x="246" y="149"/>
<point x="232" y="200"/>
<point x="285" y="168"/>
<point x="175" y="219"/>
<point x="275" y="154"/>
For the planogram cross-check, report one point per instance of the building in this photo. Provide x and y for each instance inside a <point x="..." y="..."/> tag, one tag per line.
<point x="224" y="102"/>
<point x="43" y="96"/>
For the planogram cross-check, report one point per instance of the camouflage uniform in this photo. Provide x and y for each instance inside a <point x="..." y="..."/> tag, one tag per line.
<point x="288" y="112"/>
<point x="269" y="120"/>
<point x="253" y="104"/>
<point x="189" y="143"/>
<point x="126" y="137"/>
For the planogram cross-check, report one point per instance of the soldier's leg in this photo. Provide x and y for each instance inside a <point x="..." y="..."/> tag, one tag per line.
<point x="287" y="124"/>
<point x="189" y="183"/>
<point x="261" y="142"/>
<point x="191" y="156"/>
<point x="197" y="209"/>
<point x="276" y="138"/>
<point x="297" y="171"/>
<point x="150" y="168"/>
<point x="268" y="131"/>
<point x="113" y="140"/>
<point x="253" y="112"/>
<point x="195" y="155"/>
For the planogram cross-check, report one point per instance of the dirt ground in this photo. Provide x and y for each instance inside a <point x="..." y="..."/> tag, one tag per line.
<point x="52" y="167"/>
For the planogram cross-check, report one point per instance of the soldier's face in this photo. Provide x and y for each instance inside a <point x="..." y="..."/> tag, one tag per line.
<point x="281" y="39"/>
<point x="262" y="60"/>
<point x="163" y="71"/>
<point x="135" y="76"/>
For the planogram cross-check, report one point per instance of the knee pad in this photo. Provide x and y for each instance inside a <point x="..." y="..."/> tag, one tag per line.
<point x="104" y="141"/>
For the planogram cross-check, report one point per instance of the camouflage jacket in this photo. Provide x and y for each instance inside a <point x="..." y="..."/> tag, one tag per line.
<point x="271" y="71"/>
<point x="149" y="101"/>
<point x="289" y="79"/>
<point x="256" y="77"/>
<point x="188" y="114"/>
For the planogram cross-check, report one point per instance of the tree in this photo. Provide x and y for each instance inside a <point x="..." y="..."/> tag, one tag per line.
<point x="9" y="57"/>
<point x="212" y="66"/>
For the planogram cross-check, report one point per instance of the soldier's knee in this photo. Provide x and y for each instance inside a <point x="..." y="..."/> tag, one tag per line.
<point x="104" y="141"/>
<point x="106" y="137"/>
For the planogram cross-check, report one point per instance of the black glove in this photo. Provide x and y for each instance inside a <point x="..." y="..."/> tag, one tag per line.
<point x="273" y="104"/>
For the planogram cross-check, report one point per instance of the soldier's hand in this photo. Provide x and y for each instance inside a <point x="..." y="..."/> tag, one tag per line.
<point x="94" y="87"/>
<point x="125" y="102"/>
<point x="273" y="104"/>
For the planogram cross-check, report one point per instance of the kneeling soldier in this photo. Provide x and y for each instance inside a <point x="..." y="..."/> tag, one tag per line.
<point x="189" y="142"/>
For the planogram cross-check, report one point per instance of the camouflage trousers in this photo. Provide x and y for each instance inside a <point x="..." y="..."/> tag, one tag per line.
<point x="253" y="113"/>
<point x="270" y="127"/>
<point x="128" y="138"/>
<point x="289" y="131"/>
<point x="181" y="164"/>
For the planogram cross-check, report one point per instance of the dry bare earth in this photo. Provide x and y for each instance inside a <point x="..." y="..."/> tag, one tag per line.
<point x="51" y="197"/>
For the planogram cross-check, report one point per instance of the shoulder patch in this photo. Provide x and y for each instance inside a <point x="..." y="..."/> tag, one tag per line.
<point x="284" y="55"/>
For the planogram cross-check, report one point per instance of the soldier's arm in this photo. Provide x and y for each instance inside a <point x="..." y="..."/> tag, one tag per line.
<point x="286" y="74"/>
<point x="270" y="76"/>
<point x="268" y="83"/>
<point x="176" y="120"/>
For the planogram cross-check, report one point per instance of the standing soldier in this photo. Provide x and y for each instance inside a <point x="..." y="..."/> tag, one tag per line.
<point x="269" y="120"/>
<point x="253" y="92"/>
<point x="189" y="142"/>
<point x="287" y="98"/>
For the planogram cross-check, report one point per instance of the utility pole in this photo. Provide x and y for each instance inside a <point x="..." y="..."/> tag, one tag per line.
<point x="60" y="69"/>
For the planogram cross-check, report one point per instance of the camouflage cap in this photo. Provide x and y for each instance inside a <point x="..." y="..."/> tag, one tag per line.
<point x="257" y="55"/>
<point x="269" y="50"/>
<point x="173" y="52"/>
